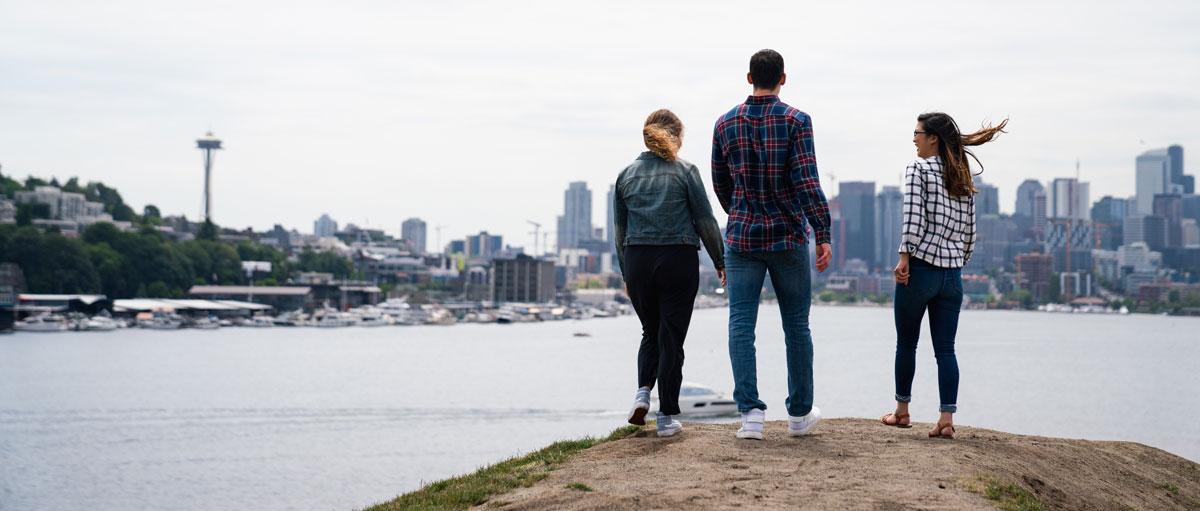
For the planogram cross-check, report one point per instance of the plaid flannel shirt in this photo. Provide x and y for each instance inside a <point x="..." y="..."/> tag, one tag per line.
<point x="764" y="171"/>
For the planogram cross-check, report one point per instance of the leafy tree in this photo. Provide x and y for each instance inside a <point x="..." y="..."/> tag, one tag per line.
<point x="113" y="204"/>
<point x="159" y="289"/>
<point x="151" y="212"/>
<point x="9" y="186"/>
<point x="326" y="262"/>
<point x="32" y="211"/>
<point x="149" y="258"/>
<point x="101" y="232"/>
<point x="208" y="231"/>
<point x="280" y="268"/>
<point x="51" y="262"/>
<point x="72" y="185"/>
<point x="109" y="266"/>
<point x="1055" y="292"/>
<point x="24" y="217"/>
<point x="212" y="262"/>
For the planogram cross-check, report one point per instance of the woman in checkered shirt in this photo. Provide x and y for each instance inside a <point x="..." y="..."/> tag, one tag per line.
<point x="937" y="239"/>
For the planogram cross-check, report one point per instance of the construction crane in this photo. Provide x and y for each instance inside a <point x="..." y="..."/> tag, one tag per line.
<point x="537" y="230"/>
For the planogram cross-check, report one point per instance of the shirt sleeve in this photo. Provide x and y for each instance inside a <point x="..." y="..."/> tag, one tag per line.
<point x="913" y="216"/>
<point x="969" y="235"/>
<point x="620" y="219"/>
<point x="805" y="182"/>
<point x="722" y="181"/>
<point x="702" y="217"/>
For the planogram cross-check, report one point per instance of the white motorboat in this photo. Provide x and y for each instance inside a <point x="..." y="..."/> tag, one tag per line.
<point x="336" y="320"/>
<point x="261" y="322"/>
<point x="160" y="323"/>
<point x="42" y="323"/>
<point x="696" y="400"/>
<point x="376" y="320"/>
<point x="101" y="324"/>
<point x="206" y="324"/>
<point x="293" y="318"/>
<point x="440" y="317"/>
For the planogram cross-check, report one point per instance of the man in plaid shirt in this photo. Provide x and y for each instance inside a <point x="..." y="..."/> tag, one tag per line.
<point x="765" y="174"/>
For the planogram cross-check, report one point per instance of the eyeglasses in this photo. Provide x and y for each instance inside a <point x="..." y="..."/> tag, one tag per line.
<point x="915" y="133"/>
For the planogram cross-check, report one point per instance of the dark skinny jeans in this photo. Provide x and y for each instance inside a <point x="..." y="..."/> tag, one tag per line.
<point x="940" y="291"/>
<point x="662" y="281"/>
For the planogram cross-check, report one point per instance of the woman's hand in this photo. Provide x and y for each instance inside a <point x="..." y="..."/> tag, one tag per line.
<point x="721" y="275"/>
<point x="901" y="271"/>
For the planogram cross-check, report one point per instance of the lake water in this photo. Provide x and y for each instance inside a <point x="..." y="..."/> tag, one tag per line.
<point x="343" y="418"/>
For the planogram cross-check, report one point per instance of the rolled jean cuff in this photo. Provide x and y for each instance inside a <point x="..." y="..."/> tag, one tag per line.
<point x="948" y="408"/>
<point x="903" y="399"/>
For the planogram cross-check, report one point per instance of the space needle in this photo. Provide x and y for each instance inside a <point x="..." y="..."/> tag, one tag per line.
<point x="208" y="143"/>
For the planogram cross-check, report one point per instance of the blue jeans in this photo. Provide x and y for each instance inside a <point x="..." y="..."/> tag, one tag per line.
<point x="940" y="291"/>
<point x="791" y="278"/>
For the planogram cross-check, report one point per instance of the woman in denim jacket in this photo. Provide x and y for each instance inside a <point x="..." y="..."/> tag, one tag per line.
<point x="661" y="217"/>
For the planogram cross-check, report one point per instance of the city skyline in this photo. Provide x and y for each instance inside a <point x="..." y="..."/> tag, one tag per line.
<point x="353" y="124"/>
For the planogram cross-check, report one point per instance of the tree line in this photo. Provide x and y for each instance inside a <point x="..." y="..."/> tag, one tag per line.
<point x="145" y="263"/>
<point x="141" y="263"/>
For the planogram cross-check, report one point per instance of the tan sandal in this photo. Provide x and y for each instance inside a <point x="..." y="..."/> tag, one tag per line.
<point x="899" y="417"/>
<point x="940" y="431"/>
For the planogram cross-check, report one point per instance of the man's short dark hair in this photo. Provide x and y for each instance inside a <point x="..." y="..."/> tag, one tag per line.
<point x="766" y="68"/>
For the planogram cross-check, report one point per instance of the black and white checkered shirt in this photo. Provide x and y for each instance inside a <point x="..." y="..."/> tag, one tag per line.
<point x="938" y="228"/>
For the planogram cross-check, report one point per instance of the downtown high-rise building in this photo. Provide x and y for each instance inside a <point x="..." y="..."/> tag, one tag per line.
<point x="889" y="206"/>
<point x="1153" y="170"/>
<point x="412" y="232"/>
<point x="1027" y="194"/>
<point x="609" y="233"/>
<point x="987" y="201"/>
<point x="1169" y="206"/>
<point x="1030" y="212"/>
<point x="856" y="201"/>
<point x="325" y="226"/>
<point x="575" y="224"/>
<point x="483" y="245"/>
<point x="1186" y="183"/>
<point x="1069" y="199"/>
<point x="1108" y="220"/>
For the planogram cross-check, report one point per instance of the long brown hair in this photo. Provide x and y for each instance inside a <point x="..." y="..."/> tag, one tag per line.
<point x="662" y="133"/>
<point x="956" y="170"/>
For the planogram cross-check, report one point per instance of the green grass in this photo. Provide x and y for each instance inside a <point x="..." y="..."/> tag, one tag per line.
<point x="1170" y="488"/>
<point x="1010" y="497"/>
<point x="519" y="472"/>
<point x="579" y="486"/>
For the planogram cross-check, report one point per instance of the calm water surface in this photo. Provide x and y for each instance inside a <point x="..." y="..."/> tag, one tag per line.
<point x="340" y="419"/>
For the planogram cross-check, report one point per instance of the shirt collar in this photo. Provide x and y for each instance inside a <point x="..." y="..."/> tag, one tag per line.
<point x="762" y="100"/>
<point x="647" y="155"/>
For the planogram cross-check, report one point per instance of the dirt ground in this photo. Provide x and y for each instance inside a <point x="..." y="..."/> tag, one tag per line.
<point x="859" y="464"/>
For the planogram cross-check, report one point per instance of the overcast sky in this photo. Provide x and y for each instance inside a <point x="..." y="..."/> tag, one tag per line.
<point x="476" y="115"/>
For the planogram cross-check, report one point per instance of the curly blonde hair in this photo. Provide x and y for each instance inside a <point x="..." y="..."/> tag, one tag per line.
<point x="662" y="133"/>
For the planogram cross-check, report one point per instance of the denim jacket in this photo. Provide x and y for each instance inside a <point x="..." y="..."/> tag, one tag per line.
<point x="660" y="202"/>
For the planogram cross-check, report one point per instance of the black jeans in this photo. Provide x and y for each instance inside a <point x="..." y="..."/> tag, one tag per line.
<point x="940" y="291"/>
<point x="662" y="281"/>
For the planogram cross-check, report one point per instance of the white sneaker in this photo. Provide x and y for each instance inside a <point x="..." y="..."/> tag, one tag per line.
<point x="641" y="406"/>
<point x="667" y="426"/>
<point x="752" y="425"/>
<point x="800" y="426"/>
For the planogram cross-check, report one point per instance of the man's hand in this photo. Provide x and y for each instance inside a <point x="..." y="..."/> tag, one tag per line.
<point x="901" y="270"/>
<point x="824" y="256"/>
<point x="721" y="275"/>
